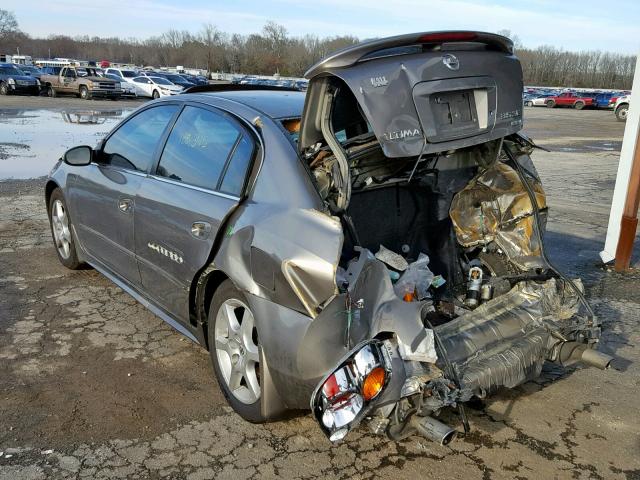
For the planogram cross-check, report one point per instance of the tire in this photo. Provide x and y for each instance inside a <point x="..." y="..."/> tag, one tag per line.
<point x="528" y="104"/>
<point x="622" y="112"/>
<point x="51" y="92"/>
<point x="550" y="103"/>
<point x="4" y="90"/>
<point x="578" y="105"/>
<point x="155" y="95"/>
<point x="62" y="231"/>
<point x="84" y="93"/>
<point x="235" y="351"/>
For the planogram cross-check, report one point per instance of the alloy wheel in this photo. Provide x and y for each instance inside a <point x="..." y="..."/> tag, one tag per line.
<point x="236" y="344"/>
<point x="61" y="231"/>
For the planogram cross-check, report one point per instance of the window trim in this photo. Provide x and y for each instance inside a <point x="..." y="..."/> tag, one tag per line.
<point x="243" y="132"/>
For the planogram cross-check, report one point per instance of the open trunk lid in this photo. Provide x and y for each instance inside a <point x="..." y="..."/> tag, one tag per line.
<point x="425" y="92"/>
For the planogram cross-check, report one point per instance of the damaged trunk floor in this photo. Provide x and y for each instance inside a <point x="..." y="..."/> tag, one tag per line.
<point x="92" y="385"/>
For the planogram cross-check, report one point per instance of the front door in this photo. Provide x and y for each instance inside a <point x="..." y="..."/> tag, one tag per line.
<point x="103" y="197"/>
<point x="199" y="179"/>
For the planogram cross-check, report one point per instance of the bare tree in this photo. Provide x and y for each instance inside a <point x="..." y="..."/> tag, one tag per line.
<point x="8" y="23"/>
<point x="517" y="43"/>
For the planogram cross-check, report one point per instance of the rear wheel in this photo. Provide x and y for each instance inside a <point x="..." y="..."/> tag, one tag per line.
<point x="4" y="90"/>
<point x="51" y="92"/>
<point x="621" y="113"/>
<point x="578" y="105"/>
<point x="528" y="104"/>
<point x="235" y="352"/>
<point x="550" y="103"/>
<point x="155" y="95"/>
<point x="62" y="232"/>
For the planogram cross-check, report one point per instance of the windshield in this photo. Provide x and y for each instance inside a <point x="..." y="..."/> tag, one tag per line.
<point x="161" y="81"/>
<point x="10" y="71"/>
<point x="175" y="78"/>
<point x="129" y="73"/>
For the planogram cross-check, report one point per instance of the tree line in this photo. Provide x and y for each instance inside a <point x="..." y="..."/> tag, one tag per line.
<point x="273" y="50"/>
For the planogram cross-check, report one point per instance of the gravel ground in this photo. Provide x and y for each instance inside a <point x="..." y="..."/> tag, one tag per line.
<point x="92" y="385"/>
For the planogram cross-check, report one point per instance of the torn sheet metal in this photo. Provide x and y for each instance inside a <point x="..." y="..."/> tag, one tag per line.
<point x="505" y="341"/>
<point x="495" y="207"/>
<point x="422" y="350"/>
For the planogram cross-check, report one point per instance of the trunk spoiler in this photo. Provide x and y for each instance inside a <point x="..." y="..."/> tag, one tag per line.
<point x="352" y="55"/>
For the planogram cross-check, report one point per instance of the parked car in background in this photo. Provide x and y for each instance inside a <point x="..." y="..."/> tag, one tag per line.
<point x="539" y="100"/>
<point x="570" y="99"/>
<point x="603" y="99"/>
<point x="83" y="82"/>
<point x="155" y="87"/>
<point x="175" y="79"/>
<point x="128" y="88"/>
<point x="13" y="80"/>
<point x="125" y="75"/>
<point x="31" y="70"/>
<point x="195" y="79"/>
<point x="621" y="108"/>
<point x="209" y="218"/>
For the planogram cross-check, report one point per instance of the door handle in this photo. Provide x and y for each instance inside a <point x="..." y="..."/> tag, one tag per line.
<point x="125" y="205"/>
<point x="200" y="229"/>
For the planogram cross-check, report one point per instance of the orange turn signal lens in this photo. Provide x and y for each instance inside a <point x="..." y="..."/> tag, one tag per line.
<point x="373" y="383"/>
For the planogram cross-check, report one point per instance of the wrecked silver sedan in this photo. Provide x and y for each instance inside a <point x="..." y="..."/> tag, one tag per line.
<point x="376" y="255"/>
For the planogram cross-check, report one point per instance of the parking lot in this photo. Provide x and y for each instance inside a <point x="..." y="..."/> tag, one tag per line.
<point x="92" y="385"/>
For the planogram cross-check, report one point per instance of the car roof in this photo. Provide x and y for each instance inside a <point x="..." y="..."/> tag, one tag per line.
<point x="273" y="103"/>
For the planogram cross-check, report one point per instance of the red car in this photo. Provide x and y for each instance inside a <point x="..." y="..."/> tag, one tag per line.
<point x="570" y="99"/>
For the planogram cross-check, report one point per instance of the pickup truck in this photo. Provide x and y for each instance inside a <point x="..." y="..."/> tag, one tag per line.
<point x="81" y="81"/>
<point x="570" y="99"/>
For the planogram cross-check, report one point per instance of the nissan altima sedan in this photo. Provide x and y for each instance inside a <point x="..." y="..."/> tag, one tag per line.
<point x="372" y="251"/>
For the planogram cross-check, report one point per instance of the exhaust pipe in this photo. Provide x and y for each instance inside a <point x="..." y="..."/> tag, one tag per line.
<point x="574" y="352"/>
<point x="597" y="359"/>
<point x="433" y="429"/>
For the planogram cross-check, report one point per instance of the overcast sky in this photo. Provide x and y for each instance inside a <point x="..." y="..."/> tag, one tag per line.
<point x="569" y="24"/>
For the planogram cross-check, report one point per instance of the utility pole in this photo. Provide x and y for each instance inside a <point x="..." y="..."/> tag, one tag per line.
<point x="624" y="205"/>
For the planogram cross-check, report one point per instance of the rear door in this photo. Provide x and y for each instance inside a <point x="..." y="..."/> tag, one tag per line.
<point x="198" y="180"/>
<point x="102" y="196"/>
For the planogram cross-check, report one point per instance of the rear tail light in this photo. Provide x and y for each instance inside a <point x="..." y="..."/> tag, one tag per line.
<point x="373" y="383"/>
<point x="343" y="397"/>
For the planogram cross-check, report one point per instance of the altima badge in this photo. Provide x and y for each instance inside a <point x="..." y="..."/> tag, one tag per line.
<point x="451" y="61"/>
<point x="165" y="251"/>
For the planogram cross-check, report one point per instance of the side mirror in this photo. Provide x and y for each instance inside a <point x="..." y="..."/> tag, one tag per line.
<point x="78" y="156"/>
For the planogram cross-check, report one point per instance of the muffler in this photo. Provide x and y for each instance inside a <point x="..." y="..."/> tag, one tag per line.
<point x="433" y="429"/>
<point x="573" y="352"/>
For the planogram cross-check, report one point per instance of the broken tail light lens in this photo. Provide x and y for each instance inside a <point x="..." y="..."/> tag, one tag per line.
<point x="342" y="398"/>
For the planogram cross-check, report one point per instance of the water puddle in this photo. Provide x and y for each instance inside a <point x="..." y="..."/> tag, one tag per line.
<point x="31" y="141"/>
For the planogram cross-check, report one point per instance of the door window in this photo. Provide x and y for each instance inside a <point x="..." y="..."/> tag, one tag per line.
<point x="199" y="147"/>
<point x="133" y="145"/>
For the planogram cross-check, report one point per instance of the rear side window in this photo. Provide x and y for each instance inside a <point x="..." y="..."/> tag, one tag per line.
<point x="133" y="145"/>
<point x="199" y="147"/>
<point x="237" y="169"/>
